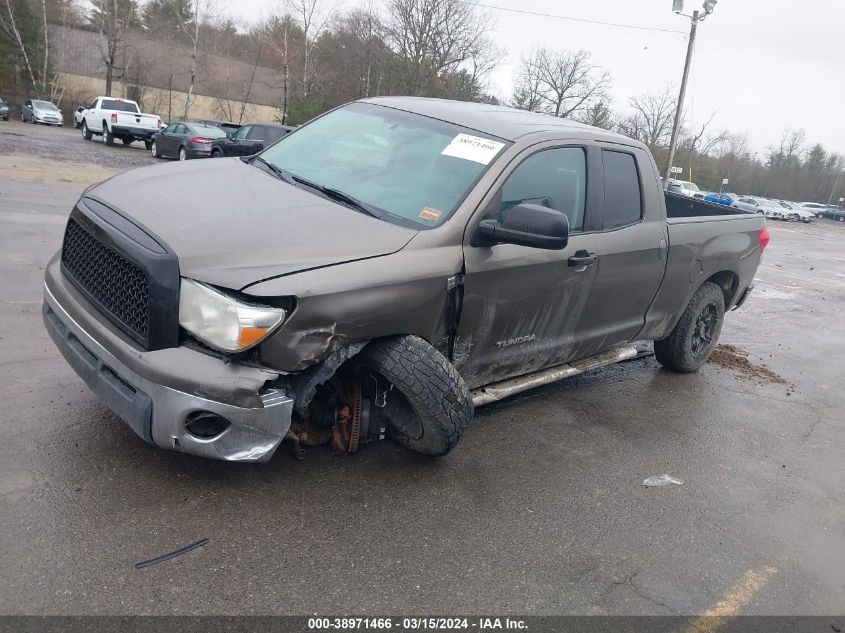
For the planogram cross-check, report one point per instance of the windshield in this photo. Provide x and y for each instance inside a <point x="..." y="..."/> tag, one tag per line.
<point x="44" y="105"/>
<point x="119" y="106"/>
<point x="415" y="169"/>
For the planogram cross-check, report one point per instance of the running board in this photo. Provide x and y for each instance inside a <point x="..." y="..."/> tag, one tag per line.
<point x="512" y="386"/>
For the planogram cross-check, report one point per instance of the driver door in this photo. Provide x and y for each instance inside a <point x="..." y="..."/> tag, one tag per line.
<point x="523" y="307"/>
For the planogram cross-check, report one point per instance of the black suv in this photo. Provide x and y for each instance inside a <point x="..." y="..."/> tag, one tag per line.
<point x="249" y="139"/>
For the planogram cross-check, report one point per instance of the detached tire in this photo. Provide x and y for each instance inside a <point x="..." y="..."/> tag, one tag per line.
<point x="433" y="407"/>
<point x="694" y="338"/>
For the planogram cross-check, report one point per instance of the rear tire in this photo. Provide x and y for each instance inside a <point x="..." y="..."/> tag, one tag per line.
<point x="183" y="154"/>
<point x="126" y="141"/>
<point x="108" y="137"/>
<point x="433" y="406"/>
<point x="86" y="133"/>
<point x="694" y="338"/>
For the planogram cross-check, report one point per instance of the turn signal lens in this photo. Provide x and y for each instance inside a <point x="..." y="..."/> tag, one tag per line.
<point x="222" y="322"/>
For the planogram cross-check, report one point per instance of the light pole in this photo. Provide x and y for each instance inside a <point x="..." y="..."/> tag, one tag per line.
<point x="695" y="18"/>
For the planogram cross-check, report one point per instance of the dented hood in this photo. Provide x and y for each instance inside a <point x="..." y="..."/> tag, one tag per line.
<point x="232" y="224"/>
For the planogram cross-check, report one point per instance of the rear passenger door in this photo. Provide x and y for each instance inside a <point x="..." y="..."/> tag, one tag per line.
<point x="631" y="248"/>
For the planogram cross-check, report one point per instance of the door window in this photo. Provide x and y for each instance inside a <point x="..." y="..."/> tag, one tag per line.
<point x="553" y="178"/>
<point x="242" y="133"/>
<point x="257" y="133"/>
<point x="623" y="198"/>
<point x="181" y="129"/>
<point x="170" y="129"/>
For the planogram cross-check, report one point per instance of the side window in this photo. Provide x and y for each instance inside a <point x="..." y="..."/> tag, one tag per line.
<point x="170" y="129"/>
<point x="181" y="129"/>
<point x="242" y="132"/>
<point x="553" y="178"/>
<point x="623" y="199"/>
<point x="257" y="133"/>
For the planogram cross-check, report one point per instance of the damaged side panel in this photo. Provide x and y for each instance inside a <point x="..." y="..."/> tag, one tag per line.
<point x="362" y="301"/>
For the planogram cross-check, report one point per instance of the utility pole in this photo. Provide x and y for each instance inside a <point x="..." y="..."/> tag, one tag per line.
<point x="677" y="125"/>
<point x="695" y="18"/>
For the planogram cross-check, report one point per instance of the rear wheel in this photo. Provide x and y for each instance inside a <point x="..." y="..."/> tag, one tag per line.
<point x="428" y="405"/>
<point x="108" y="137"/>
<point x="183" y="154"/>
<point x="126" y="141"/>
<point x="216" y="153"/>
<point x="693" y="339"/>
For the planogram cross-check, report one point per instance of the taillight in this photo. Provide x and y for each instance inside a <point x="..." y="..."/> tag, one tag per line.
<point x="201" y="140"/>
<point x="114" y="117"/>
<point x="765" y="238"/>
<point x="159" y="124"/>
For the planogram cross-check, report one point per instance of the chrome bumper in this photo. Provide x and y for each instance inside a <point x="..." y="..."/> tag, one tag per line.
<point x="158" y="413"/>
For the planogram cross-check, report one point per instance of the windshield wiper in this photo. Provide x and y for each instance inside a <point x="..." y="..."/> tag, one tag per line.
<point x="334" y="194"/>
<point x="279" y="173"/>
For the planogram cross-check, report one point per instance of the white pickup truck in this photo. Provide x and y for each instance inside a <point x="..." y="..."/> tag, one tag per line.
<point x="122" y="119"/>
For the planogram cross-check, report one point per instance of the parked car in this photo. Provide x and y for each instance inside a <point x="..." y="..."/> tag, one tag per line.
<point x="813" y="207"/>
<point x="4" y="110"/>
<point x="794" y="213"/>
<point x="756" y="204"/>
<point x="384" y="292"/>
<point x="725" y="199"/>
<point x="248" y="140"/>
<point x="227" y="126"/>
<point x="831" y="212"/>
<point x="78" y="114"/>
<point x="185" y="140"/>
<point x="685" y="187"/>
<point x="122" y="119"/>
<point x="38" y="111"/>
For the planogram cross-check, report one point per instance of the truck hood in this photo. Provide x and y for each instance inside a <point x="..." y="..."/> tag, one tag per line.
<point x="232" y="224"/>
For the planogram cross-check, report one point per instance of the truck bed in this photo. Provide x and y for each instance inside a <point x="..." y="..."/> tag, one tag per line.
<point x="681" y="206"/>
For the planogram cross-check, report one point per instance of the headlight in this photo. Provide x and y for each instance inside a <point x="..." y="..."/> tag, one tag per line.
<point x="224" y="323"/>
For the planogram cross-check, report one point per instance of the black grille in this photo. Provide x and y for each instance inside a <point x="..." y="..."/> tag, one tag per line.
<point x="119" y="287"/>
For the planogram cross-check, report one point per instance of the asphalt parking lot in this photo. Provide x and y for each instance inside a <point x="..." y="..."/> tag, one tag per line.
<point x="540" y="510"/>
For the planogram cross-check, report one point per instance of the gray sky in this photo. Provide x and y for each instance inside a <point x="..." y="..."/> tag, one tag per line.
<point x="762" y="64"/>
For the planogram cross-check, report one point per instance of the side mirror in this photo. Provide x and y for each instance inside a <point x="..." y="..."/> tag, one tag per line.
<point x="526" y="225"/>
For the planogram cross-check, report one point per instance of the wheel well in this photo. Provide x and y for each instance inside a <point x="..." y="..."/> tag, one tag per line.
<point x="728" y="282"/>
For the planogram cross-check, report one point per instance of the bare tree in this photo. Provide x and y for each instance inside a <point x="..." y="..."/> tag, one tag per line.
<point x="313" y="22"/>
<point x="10" y="25"/>
<point x="202" y="12"/>
<point x="651" y="118"/>
<point x="433" y="37"/>
<point x="113" y="18"/>
<point x="278" y="36"/>
<point x="566" y="82"/>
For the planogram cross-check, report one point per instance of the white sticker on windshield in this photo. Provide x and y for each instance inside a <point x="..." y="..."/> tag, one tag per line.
<point x="474" y="148"/>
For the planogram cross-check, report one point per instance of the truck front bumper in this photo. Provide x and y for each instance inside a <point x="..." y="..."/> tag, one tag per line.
<point x="150" y="391"/>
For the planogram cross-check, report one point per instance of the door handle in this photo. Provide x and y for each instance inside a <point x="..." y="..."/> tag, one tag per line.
<point x="582" y="259"/>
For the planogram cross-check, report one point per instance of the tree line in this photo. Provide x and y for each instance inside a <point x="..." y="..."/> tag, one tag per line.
<point x="324" y="56"/>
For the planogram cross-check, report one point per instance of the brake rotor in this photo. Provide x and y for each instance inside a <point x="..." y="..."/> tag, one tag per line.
<point x="346" y="431"/>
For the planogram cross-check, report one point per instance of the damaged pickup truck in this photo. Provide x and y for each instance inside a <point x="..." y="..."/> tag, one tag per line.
<point x="381" y="271"/>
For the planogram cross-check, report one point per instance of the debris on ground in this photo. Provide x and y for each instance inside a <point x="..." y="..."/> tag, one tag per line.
<point x="732" y="357"/>
<point x="658" y="481"/>
<point x="173" y="554"/>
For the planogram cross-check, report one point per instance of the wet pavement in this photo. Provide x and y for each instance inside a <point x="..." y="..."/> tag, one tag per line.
<point x="540" y="509"/>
